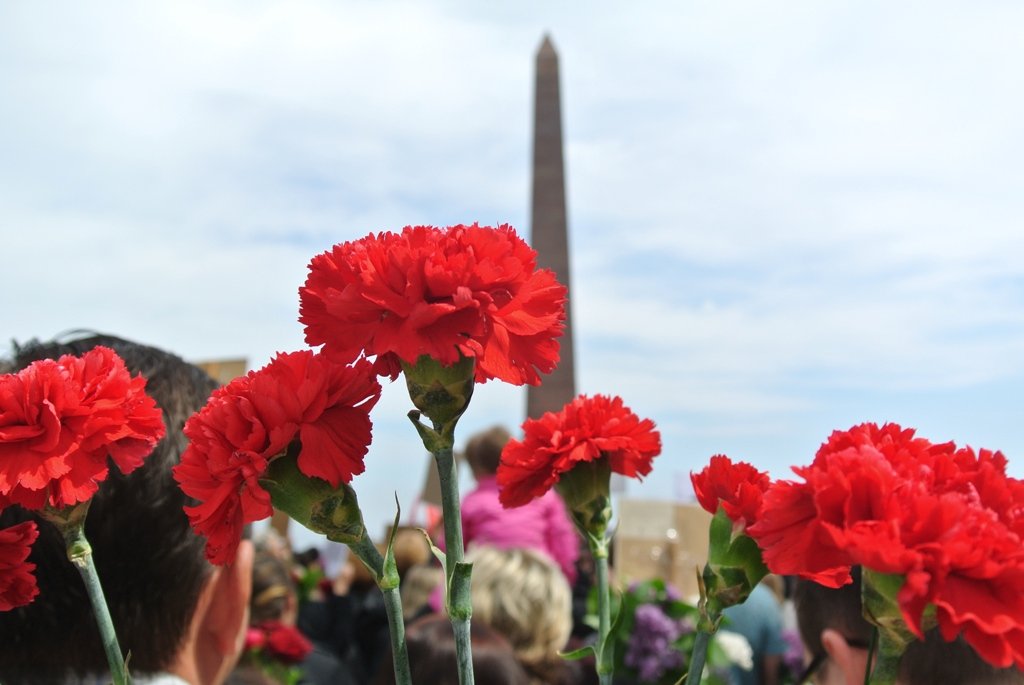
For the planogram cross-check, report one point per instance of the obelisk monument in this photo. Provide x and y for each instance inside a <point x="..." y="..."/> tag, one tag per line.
<point x="549" y="233"/>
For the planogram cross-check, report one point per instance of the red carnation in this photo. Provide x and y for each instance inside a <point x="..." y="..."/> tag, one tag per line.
<point x="472" y="291"/>
<point x="60" y="420"/>
<point x="738" y="487"/>
<point x="947" y="520"/>
<point x="253" y="419"/>
<point x="586" y="430"/>
<point x="17" y="584"/>
<point x="285" y="643"/>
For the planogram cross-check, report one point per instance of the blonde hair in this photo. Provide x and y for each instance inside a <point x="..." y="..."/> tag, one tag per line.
<point x="411" y="549"/>
<point x="523" y="595"/>
<point x="418" y="584"/>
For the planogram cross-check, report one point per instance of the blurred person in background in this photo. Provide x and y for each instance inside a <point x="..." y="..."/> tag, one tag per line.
<point x="836" y="636"/>
<point x="523" y="595"/>
<point x="759" y="620"/>
<point x="432" y="659"/>
<point x="274" y="635"/>
<point x="542" y="525"/>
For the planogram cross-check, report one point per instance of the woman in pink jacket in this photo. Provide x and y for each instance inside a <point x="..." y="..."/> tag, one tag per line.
<point x="541" y="525"/>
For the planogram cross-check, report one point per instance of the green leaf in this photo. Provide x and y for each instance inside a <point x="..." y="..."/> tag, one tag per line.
<point x="432" y="440"/>
<point x="577" y="654"/>
<point x="389" y="579"/>
<point x="436" y="551"/>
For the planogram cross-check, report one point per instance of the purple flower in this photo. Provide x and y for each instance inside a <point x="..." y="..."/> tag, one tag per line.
<point x="794" y="656"/>
<point x="650" y="650"/>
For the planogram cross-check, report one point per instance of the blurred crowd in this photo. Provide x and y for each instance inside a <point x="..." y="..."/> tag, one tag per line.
<point x="315" y="621"/>
<point x="531" y="578"/>
<point x="316" y="618"/>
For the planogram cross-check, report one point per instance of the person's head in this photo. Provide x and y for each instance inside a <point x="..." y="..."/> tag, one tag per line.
<point x="836" y="635"/>
<point x="418" y="583"/>
<point x="525" y="597"/>
<point x="274" y="596"/>
<point x="833" y="629"/>
<point x="431" y="647"/>
<point x="410" y="549"/>
<point x="171" y="609"/>
<point x="483" y="451"/>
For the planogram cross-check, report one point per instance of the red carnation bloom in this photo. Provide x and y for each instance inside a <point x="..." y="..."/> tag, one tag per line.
<point x="253" y="419"/>
<point x="738" y="487"/>
<point x="971" y="568"/>
<point x="285" y="643"/>
<point x="60" y="420"/>
<point x="17" y="584"/>
<point x="946" y="520"/>
<point x="473" y="291"/>
<point x="587" y="429"/>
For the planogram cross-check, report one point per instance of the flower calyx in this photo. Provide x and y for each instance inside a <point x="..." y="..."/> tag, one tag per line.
<point x="586" y="490"/>
<point x="441" y="393"/>
<point x="70" y="521"/>
<point x="879" y="600"/>
<point x="313" y="502"/>
<point x="734" y="567"/>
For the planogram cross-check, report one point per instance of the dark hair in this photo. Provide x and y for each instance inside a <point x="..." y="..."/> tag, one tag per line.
<point x="819" y="607"/>
<point x="431" y="646"/>
<point x="150" y="562"/>
<point x="926" y="662"/>
<point x="483" y="451"/>
<point x="934" y="660"/>
<point x="272" y="585"/>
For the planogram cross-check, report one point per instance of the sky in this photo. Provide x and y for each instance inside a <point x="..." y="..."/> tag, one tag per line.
<point x="785" y="218"/>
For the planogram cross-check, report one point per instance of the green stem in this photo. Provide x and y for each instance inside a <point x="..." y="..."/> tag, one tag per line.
<point x="697" y="658"/>
<point x="459" y="601"/>
<point x="710" y="614"/>
<point x="396" y="626"/>
<point x="368" y="553"/>
<point x="450" y="504"/>
<point x="605" y="660"/>
<point x="872" y="650"/>
<point x="886" y="670"/>
<point x="80" y="555"/>
<point x="463" y="650"/>
<point x="887" y="659"/>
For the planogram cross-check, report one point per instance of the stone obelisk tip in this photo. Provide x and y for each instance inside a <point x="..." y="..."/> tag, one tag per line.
<point x="546" y="46"/>
<point x="549" y="222"/>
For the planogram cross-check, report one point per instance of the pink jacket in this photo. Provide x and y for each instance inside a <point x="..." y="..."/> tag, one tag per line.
<point x="542" y="525"/>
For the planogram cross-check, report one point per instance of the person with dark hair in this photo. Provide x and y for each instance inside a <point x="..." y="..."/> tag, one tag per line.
<point x="541" y="525"/>
<point x="275" y="605"/>
<point x="837" y="636"/>
<point x="351" y="621"/>
<point x="431" y="646"/>
<point x="759" y="620"/>
<point x="180" y="619"/>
